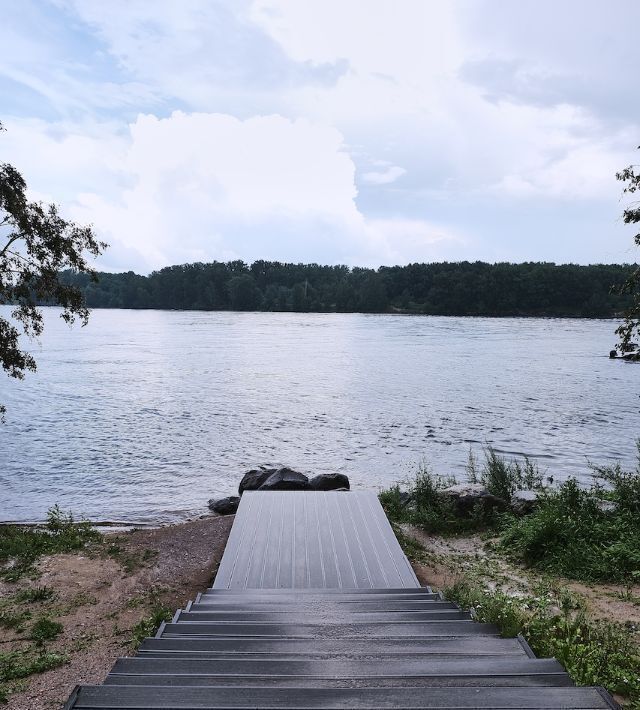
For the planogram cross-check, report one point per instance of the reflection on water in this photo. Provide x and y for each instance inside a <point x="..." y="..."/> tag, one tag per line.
<point x="143" y="416"/>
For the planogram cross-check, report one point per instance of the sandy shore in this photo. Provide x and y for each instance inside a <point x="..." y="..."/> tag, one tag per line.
<point x="102" y="595"/>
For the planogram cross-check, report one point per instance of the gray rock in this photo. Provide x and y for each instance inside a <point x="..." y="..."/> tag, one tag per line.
<point x="252" y="480"/>
<point x="286" y="479"/>
<point x="225" y="506"/>
<point x="606" y="506"/>
<point x="329" y="482"/>
<point x="467" y="496"/>
<point x="525" y="502"/>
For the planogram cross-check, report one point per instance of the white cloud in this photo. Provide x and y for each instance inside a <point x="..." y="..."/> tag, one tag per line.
<point x="198" y="187"/>
<point x="384" y="177"/>
<point x="444" y="115"/>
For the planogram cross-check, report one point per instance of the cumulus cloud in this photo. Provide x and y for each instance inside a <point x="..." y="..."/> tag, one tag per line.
<point x="326" y="130"/>
<point x="198" y="187"/>
<point x="384" y="177"/>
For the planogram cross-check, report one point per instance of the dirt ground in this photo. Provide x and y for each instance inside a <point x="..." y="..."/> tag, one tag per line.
<point x="447" y="560"/>
<point x="100" y="596"/>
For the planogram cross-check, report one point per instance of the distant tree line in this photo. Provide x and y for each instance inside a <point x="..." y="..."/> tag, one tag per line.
<point x="456" y="289"/>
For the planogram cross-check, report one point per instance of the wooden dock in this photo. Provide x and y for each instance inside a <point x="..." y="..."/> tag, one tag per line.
<point x="315" y="606"/>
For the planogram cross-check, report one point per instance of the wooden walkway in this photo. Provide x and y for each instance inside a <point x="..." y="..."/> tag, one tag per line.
<point x="315" y="606"/>
<point x="297" y="540"/>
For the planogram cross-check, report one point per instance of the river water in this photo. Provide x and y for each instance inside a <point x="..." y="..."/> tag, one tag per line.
<point x="144" y="415"/>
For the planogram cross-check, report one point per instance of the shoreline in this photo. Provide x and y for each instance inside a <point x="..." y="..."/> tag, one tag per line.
<point x="110" y="597"/>
<point x="105" y="596"/>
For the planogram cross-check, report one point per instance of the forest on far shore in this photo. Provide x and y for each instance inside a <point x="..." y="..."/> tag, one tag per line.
<point x="455" y="289"/>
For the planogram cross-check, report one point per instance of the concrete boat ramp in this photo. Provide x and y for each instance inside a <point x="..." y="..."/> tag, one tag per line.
<point x="315" y="606"/>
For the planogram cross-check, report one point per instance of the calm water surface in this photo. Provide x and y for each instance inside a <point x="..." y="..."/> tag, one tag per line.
<point x="144" y="415"/>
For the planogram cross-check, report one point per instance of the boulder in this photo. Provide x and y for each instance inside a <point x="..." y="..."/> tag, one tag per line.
<point x="225" y="506"/>
<point x="525" y="502"/>
<point x="286" y="479"/>
<point x="329" y="482"/>
<point x="467" y="496"/>
<point x="405" y="498"/>
<point x="252" y="480"/>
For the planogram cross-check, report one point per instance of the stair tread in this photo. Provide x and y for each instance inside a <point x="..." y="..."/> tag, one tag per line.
<point x="197" y="698"/>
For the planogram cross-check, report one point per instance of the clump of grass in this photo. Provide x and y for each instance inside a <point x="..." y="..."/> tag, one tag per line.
<point x="555" y="625"/>
<point x="20" y="547"/>
<point x="571" y="533"/>
<point x="45" y="629"/>
<point x="424" y="503"/>
<point x="502" y="477"/>
<point x="149" y="624"/>
<point x="35" y="594"/>
<point x="14" y="620"/>
<point x="21" y="664"/>
<point x="130" y="560"/>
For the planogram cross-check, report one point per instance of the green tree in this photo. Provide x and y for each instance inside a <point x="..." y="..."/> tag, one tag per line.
<point x="244" y="294"/>
<point x="629" y="331"/>
<point x="36" y="245"/>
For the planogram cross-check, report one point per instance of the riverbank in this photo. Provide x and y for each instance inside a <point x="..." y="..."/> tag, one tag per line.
<point x="115" y="590"/>
<point x="592" y="629"/>
<point x="76" y="612"/>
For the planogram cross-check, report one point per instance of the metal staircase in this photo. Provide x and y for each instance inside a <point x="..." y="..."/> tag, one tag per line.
<point x="361" y="640"/>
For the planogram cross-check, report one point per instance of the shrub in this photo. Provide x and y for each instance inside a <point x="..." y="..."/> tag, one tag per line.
<point x="503" y="478"/>
<point x="428" y="508"/>
<point x="570" y="535"/>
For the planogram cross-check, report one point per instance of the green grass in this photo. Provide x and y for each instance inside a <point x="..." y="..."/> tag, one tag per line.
<point x="434" y="512"/>
<point x="569" y="534"/>
<point x="14" y="620"/>
<point x="35" y="594"/>
<point x="45" y="629"/>
<point x="21" y="547"/>
<point x="17" y="665"/>
<point x="130" y="560"/>
<point x="503" y="477"/>
<point x="149" y="624"/>
<point x="555" y="625"/>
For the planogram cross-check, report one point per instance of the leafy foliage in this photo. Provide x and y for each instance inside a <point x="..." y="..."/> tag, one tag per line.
<point x="589" y="534"/>
<point x="629" y="331"/>
<point x="422" y="502"/>
<point x="36" y="244"/>
<point x="460" y="289"/>
<point x="555" y="625"/>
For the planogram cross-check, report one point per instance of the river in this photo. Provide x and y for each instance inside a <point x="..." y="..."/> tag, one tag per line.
<point x="142" y="416"/>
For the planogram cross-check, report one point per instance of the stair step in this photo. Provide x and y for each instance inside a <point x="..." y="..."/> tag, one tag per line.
<point x="550" y="680"/>
<point x="356" y="648"/>
<point x="201" y="698"/>
<point x="338" y="669"/>
<point x="333" y="616"/>
<point x="346" y="594"/>
<point x="352" y="607"/>
<point x="365" y="630"/>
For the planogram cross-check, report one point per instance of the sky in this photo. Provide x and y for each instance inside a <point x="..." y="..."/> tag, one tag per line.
<point x="363" y="132"/>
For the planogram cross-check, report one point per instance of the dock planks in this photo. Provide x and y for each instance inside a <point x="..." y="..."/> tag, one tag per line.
<point x="312" y="540"/>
